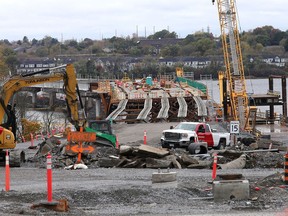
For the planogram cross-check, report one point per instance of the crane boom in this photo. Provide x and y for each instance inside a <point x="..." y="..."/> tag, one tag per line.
<point x="233" y="61"/>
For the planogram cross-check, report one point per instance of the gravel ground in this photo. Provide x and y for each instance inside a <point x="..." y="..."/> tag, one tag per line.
<point x="117" y="191"/>
<point x="131" y="192"/>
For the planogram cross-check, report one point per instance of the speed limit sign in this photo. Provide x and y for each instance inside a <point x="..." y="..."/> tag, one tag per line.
<point x="234" y="127"/>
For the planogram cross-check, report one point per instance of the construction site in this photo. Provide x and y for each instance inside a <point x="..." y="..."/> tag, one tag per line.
<point x="114" y="164"/>
<point x="148" y="146"/>
<point x="145" y="179"/>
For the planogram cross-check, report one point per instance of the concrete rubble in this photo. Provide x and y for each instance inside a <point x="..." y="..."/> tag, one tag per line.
<point x="147" y="156"/>
<point x="159" y="188"/>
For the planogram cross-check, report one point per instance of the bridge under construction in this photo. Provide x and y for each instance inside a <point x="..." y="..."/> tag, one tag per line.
<point x="150" y="100"/>
<point x="164" y="99"/>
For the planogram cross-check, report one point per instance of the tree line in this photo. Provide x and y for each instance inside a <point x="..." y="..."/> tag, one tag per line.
<point x="256" y="44"/>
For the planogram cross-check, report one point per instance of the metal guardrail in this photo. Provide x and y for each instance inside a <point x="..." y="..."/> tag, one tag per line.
<point x="194" y="84"/>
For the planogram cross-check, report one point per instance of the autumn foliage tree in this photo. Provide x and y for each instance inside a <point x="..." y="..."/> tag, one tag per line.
<point x="29" y="127"/>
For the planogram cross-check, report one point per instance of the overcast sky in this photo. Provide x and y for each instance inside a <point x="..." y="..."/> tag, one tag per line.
<point x="96" y="19"/>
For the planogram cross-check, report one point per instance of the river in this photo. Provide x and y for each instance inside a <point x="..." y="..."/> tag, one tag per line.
<point x="257" y="86"/>
<point x="253" y="86"/>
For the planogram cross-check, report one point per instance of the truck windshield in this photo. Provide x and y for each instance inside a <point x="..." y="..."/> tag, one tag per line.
<point x="184" y="126"/>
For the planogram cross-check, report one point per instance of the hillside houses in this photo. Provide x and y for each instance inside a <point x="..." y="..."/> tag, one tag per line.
<point x="35" y="65"/>
<point x="275" y="60"/>
<point x="126" y="64"/>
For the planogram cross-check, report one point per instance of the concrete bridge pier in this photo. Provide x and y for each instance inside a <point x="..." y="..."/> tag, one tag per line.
<point x="89" y="107"/>
<point x="52" y="98"/>
<point x="98" y="108"/>
<point x="33" y="98"/>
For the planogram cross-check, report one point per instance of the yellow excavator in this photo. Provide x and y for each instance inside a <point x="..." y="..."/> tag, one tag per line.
<point x="86" y="131"/>
<point x="15" y="83"/>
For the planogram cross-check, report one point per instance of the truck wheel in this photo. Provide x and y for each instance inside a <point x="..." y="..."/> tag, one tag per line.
<point x="195" y="148"/>
<point x="221" y="145"/>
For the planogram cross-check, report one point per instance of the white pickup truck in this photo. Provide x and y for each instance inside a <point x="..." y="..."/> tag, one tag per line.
<point x="186" y="133"/>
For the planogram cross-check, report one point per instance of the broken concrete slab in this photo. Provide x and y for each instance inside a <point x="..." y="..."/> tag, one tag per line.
<point x="157" y="163"/>
<point x="238" y="163"/>
<point x="228" y="153"/>
<point x="174" y="161"/>
<point x="187" y="160"/>
<point x="134" y="164"/>
<point x="123" y="161"/>
<point x="152" y="151"/>
<point x="125" y="150"/>
<point x="108" y="162"/>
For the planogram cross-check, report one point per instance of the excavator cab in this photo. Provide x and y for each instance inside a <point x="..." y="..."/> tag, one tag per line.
<point x="102" y="126"/>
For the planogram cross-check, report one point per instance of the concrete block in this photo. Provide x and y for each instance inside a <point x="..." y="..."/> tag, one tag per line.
<point x="164" y="177"/>
<point x="231" y="189"/>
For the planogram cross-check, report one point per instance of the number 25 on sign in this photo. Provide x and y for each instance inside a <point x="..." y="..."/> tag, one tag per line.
<point x="234" y="127"/>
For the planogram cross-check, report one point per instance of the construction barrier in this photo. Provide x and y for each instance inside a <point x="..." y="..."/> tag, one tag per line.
<point x="145" y="138"/>
<point x="53" y="132"/>
<point x="214" y="167"/>
<point x="23" y="139"/>
<point x="286" y="169"/>
<point x="49" y="178"/>
<point x="31" y="139"/>
<point x="7" y="171"/>
<point x="117" y="142"/>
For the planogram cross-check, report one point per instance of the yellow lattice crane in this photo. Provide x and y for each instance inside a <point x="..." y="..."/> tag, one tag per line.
<point x="239" y="105"/>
